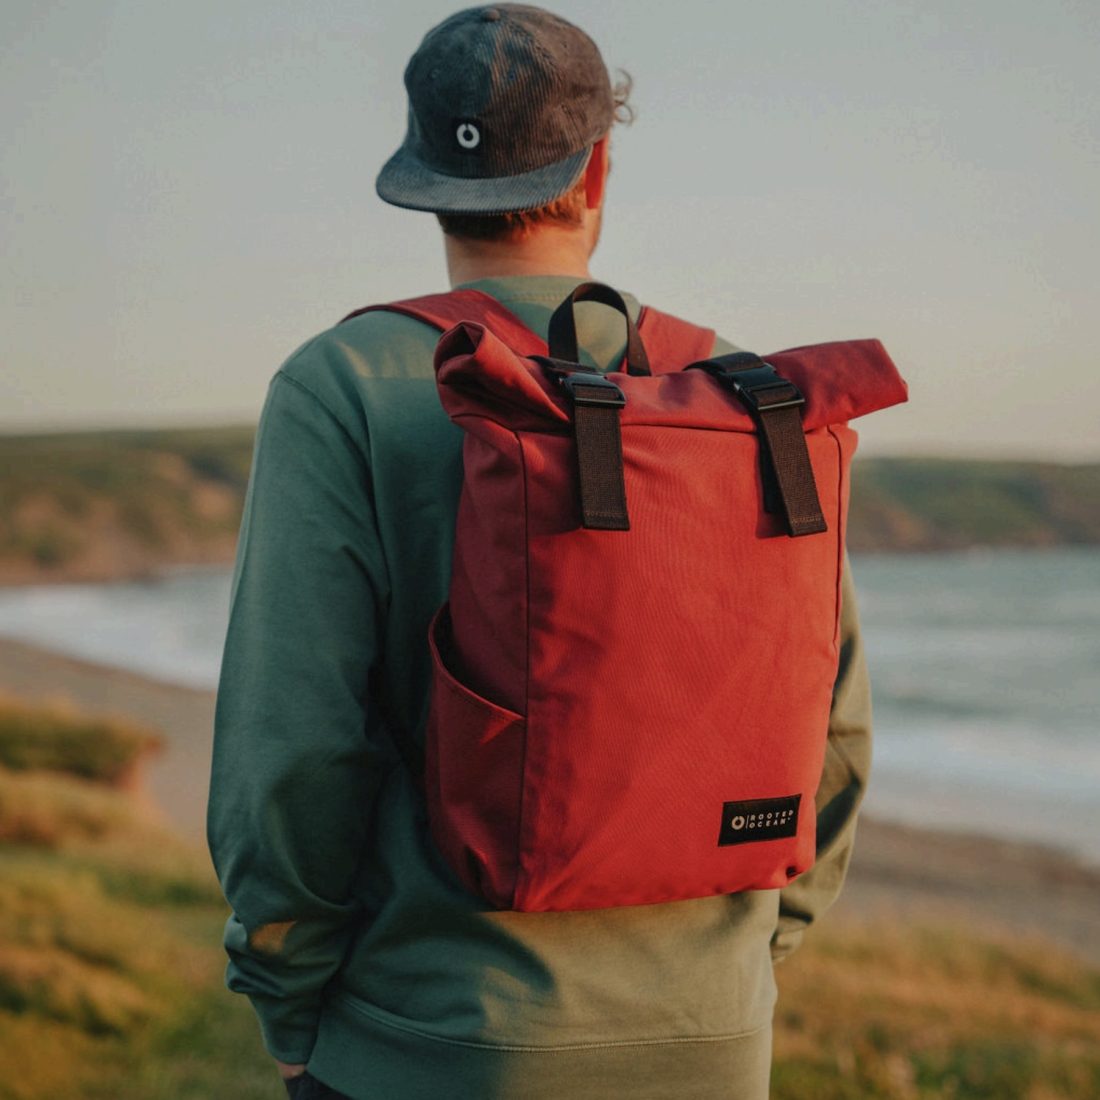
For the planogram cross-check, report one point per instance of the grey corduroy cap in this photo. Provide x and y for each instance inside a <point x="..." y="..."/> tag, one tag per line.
<point x="505" y="104"/>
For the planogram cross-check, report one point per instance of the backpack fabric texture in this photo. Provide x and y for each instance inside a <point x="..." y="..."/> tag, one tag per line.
<point x="633" y="716"/>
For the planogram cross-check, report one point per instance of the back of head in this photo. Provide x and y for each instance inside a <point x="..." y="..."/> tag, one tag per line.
<point x="506" y="103"/>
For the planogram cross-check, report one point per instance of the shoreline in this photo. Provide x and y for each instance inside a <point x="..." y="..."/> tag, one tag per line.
<point x="220" y="559"/>
<point x="899" y="872"/>
<point x="25" y="576"/>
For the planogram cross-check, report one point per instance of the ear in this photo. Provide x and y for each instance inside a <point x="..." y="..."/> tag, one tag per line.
<point x="595" y="175"/>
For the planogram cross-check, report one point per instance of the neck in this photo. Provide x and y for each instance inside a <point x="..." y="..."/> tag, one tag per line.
<point x="547" y="251"/>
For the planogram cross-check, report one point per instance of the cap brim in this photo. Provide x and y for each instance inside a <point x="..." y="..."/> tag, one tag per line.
<point x="405" y="181"/>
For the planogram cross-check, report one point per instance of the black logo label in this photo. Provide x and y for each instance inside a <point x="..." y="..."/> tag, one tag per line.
<point x="759" y="819"/>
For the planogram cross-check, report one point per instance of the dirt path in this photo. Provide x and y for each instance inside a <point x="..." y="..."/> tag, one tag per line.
<point x="898" y="872"/>
<point x="177" y="777"/>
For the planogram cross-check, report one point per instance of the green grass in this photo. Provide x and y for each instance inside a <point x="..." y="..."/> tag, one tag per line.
<point x="59" y="739"/>
<point x="102" y="996"/>
<point x="111" y="981"/>
<point x="892" y="1013"/>
<point x="110" y="959"/>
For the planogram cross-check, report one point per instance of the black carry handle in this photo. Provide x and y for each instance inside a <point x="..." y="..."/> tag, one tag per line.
<point x="563" y="327"/>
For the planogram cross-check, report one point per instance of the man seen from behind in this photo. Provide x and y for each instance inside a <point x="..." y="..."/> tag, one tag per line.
<point x="375" y="975"/>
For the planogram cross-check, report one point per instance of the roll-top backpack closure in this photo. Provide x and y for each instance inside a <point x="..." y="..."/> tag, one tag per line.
<point x="479" y="375"/>
<point x="781" y="398"/>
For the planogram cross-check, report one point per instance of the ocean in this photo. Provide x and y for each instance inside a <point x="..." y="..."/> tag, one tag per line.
<point x="985" y="669"/>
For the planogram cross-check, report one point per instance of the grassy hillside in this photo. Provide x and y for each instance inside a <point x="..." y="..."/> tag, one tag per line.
<point x="100" y="505"/>
<point x="110" y="966"/>
<point x="111" y="971"/>
<point x="55" y="739"/>
<point x="940" y="503"/>
<point x="891" y="1012"/>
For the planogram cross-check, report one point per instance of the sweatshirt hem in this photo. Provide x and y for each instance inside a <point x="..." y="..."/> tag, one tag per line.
<point x="388" y="1019"/>
<point x="366" y="1052"/>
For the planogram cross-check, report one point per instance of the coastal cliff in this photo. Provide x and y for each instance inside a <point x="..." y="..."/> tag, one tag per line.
<point x="95" y="506"/>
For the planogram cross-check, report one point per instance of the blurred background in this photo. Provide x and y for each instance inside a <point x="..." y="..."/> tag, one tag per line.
<point x="187" y="195"/>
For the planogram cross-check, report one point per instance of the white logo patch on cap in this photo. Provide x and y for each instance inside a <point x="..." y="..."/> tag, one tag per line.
<point x="468" y="135"/>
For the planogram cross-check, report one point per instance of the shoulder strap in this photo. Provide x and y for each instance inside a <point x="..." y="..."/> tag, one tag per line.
<point x="444" y="311"/>
<point x="673" y="344"/>
<point x="670" y="342"/>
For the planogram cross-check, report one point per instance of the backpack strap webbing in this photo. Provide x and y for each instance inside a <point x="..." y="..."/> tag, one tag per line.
<point x="444" y="311"/>
<point x="775" y="404"/>
<point x="597" y="433"/>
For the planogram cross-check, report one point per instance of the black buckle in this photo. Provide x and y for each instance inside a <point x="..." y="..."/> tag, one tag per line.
<point x="749" y="381"/>
<point x="608" y="396"/>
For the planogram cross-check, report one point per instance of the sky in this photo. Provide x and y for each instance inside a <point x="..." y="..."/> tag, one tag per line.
<point x="187" y="195"/>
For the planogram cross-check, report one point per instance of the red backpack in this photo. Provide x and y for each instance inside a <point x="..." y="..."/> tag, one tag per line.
<point x="633" y="674"/>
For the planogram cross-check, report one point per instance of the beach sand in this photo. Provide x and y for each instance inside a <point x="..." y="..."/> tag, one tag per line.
<point x="986" y="884"/>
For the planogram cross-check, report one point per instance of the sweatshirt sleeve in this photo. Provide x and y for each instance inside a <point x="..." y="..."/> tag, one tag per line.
<point x="297" y="760"/>
<point x="843" y="782"/>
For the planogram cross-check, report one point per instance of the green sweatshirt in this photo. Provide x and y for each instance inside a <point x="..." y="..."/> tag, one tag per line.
<point x="360" y="953"/>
